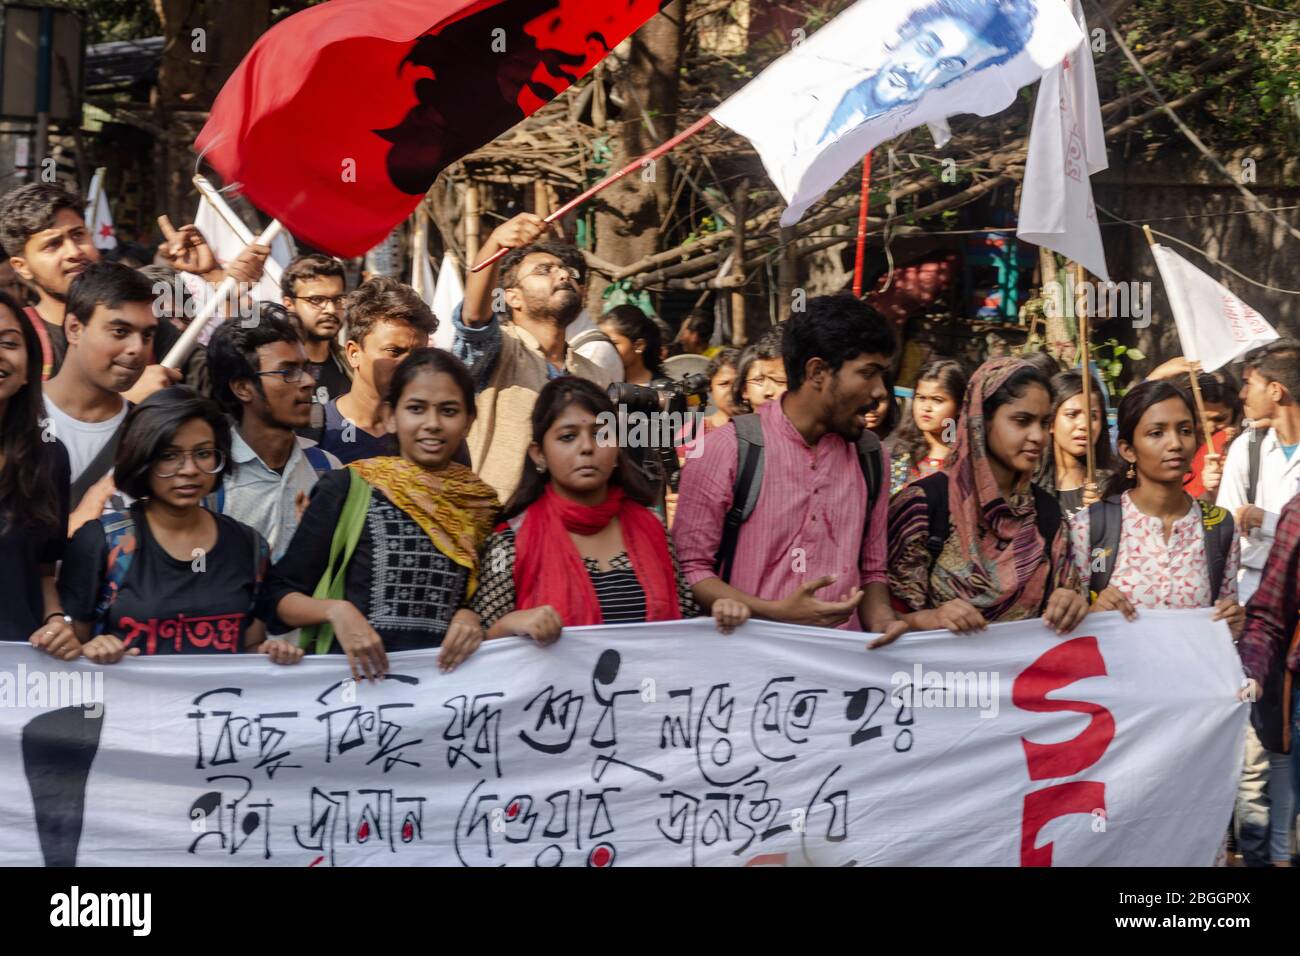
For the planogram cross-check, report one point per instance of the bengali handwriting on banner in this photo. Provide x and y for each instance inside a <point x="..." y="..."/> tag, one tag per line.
<point x="663" y="744"/>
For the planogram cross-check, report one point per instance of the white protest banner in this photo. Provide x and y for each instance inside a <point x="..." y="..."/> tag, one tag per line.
<point x="883" y="67"/>
<point x="1214" y="326"/>
<point x="658" y="744"/>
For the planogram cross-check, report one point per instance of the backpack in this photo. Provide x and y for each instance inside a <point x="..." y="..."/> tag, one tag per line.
<point x="315" y="457"/>
<point x="749" y="482"/>
<point x="1047" y="514"/>
<point x="1254" y="449"/>
<point x="121" y="540"/>
<point x="1105" y="518"/>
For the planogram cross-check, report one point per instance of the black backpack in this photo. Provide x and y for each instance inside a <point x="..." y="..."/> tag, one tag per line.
<point x="1105" y="518"/>
<point x="1047" y="513"/>
<point x="749" y="482"/>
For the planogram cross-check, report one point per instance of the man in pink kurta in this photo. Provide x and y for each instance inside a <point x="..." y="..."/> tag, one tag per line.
<point x="808" y="554"/>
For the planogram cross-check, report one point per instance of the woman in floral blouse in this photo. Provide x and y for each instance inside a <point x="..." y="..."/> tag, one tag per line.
<point x="1163" y="559"/>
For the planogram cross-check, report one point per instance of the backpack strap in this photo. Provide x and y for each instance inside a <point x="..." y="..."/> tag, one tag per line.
<point x="99" y="466"/>
<point x="1104" y="520"/>
<point x="1255" y="449"/>
<point x="745" y="490"/>
<point x="120" y="544"/>
<point x="869" y="457"/>
<point x="347" y="532"/>
<point x="589" y="336"/>
<point x="317" y="459"/>
<point x="935" y="488"/>
<point x="47" y="348"/>
<point x="1217" y="524"/>
<point x="1047" y="518"/>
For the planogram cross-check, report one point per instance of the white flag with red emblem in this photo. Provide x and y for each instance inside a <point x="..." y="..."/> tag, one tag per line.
<point x="99" y="218"/>
<point x="1214" y="325"/>
<point x="1067" y="144"/>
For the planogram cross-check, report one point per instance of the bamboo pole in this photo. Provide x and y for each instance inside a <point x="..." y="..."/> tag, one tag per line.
<point x="739" y="332"/>
<point x="638" y="163"/>
<point x="471" y="220"/>
<point x="1081" y="314"/>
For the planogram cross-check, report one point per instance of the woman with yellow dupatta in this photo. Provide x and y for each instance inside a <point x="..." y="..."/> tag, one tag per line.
<point x="386" y="553"/>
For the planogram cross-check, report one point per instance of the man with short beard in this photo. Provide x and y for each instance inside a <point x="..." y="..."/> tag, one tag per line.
<point x="812" y="551"/>
<point x="313" y="290"/>
<point x="511" y="363"/>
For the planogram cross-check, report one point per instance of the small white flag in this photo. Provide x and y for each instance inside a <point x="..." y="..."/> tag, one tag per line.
<point x="227" y="236"/>
<point x="99" y="218"/>
<point x="883" y="67"/>
<point x="1214" y="326"/>
<point x="1067" y="144"/>
<point x="448" y="294"/>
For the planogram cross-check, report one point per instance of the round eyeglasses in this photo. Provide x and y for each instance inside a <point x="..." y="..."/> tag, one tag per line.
<point x="207" y="460"/>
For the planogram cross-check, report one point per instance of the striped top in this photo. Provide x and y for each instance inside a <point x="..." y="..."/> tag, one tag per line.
<point x="617" y="589"/>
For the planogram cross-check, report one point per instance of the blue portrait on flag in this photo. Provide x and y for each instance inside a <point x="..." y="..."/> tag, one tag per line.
<point x="936" y="45"/>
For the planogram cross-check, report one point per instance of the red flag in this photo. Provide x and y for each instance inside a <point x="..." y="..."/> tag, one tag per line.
<point x="342" y="115"/>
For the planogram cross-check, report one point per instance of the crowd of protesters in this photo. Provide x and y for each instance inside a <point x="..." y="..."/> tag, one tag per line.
<point x="344" y="488"/>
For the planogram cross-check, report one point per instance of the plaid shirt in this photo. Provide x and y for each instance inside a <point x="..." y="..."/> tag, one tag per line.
<point x="1272" y="614"/>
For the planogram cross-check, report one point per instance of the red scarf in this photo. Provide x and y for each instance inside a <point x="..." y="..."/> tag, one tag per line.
<point x="549" y="570"/>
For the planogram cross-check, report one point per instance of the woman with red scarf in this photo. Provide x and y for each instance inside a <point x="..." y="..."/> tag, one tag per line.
<point x="579" y="544"/>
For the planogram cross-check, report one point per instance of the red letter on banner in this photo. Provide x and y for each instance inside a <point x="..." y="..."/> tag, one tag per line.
<point x="1082" y="796"/>
<point x="1059" y="667"/>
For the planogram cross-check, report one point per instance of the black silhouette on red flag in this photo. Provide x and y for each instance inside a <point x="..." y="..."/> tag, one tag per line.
<point x="341" y="116"/>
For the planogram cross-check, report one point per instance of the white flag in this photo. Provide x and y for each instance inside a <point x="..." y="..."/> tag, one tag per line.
<point x="227" y="236"/>
<point x="883" y="67"/>
<point x="1067" y="144"/>
<point x="1214" y="326"/>
<point x="99" y="218"/>
<point x="448" y="294"/>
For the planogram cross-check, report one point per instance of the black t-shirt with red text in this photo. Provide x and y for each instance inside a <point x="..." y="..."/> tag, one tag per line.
<point x="165" y="605"/>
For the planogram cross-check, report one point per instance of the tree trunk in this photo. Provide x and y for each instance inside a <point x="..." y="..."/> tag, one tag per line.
<point x="204" y="40"/>
<point x="630" y="214"/>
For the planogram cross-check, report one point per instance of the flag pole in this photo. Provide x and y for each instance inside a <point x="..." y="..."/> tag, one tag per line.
<point x="1081" y="314"/>
<point x="638" y="163"/>
<point x="1195" y="376"/>
<point x="419" y="250"/>
<point x="179" y="352"/>
<point x="862" y="225"/>
<point x="96" y="187"/>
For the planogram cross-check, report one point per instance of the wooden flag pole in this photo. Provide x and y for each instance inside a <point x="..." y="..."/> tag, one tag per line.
<point x="419" y="250"/>
<point x="1081" y="314"/>
<point x="638" y="163"/>
<point x="190" y="337"/>
<point x="862" y="225"/>
<point x="1195" y="366"/>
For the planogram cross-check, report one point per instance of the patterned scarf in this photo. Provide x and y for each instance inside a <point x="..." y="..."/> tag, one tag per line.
<point x="1004" y="565"/>
<point x="454" y="507"/>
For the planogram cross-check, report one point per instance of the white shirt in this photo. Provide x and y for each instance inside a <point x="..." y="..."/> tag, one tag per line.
<point x="82" y="439"/>
<point x="1279" y="482"/>
<point x="265" y="499"/>
<point x="601" y="352"/>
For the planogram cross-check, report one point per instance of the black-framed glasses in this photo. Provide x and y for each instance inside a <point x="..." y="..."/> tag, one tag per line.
<point x="770" y="379"/>
<point x="320" y="301"/>
<point x="207" y="460"/>
<point x="294" y="373"/>
<point x="547" y="268"/>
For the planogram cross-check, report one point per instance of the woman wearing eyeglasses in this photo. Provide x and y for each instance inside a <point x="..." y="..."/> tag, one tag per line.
<point x="169" y="576"/>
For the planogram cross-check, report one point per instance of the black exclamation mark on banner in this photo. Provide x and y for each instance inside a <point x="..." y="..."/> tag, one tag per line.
<point x="58" y="749"/>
